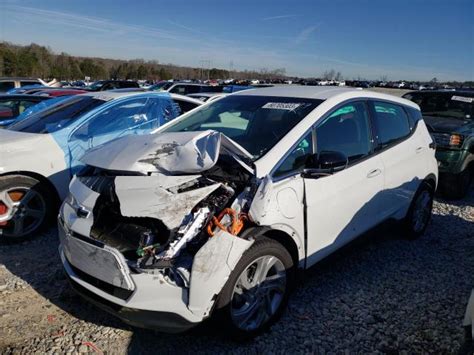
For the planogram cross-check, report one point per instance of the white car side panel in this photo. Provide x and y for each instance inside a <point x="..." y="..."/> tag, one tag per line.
<point x="40" y="155"/>
<point x="279" y="205"/>
<point x="406" y="165"/>
<point x="342" y="206"/>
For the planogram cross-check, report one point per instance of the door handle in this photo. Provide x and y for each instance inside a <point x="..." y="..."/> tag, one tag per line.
<point x="374" y="173"/>
<point x="418" y="150"/>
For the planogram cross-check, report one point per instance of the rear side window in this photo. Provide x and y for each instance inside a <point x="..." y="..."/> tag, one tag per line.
<point x="391" y="121"/>
<point x="415" y="116"/>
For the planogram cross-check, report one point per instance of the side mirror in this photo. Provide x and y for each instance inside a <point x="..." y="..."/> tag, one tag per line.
<point x="325" y="163"/>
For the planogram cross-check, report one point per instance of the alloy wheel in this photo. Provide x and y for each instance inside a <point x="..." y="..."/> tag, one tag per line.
<point x="26" y="209"/>
<point x="258" y="292"/>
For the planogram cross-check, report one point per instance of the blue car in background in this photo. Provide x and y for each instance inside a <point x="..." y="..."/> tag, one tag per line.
<point x="40" y="154"/>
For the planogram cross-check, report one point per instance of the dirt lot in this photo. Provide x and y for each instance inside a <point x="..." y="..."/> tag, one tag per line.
<point x="380" y="294"/>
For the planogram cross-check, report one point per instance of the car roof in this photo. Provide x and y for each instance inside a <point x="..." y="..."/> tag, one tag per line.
<point x="323" y="93"/>
<point x="306" y="92"/>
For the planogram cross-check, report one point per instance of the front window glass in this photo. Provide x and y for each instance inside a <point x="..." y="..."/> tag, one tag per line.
<point x="296" y="161"/>
<point x="257" y="123"/>
<point x="57" y="116"/>
<point x="347" y="131"/>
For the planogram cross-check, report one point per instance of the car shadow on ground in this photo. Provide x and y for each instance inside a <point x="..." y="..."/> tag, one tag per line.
<point x="339" y="276"/>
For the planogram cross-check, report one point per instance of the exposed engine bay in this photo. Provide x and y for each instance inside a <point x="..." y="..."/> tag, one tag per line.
<point x="159" y="220"/>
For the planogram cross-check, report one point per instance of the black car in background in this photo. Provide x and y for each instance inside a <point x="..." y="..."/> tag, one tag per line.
<point x="449" y="116"/>
<point x="103" y="85"/>
<point x="11" y="106"/>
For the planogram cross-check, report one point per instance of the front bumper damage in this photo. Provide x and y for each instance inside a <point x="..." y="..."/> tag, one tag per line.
<point x="149" y="300"/>
<point x="143" y="247"/>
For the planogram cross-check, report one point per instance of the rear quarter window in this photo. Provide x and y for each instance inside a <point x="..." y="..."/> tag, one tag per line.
<point x="392" y="122"/>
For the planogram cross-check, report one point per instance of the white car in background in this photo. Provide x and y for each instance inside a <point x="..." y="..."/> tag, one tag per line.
<point x="39" y="154"/>
<point x="215" y="211"/>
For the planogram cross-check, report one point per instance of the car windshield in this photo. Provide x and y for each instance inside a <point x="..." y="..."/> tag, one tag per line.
<point x="57" y="116"/>
<point x="455" y="105"/>
<point x="257" y="123"/>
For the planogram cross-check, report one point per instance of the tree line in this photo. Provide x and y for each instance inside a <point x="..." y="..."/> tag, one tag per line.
<point x="38" y="61"/>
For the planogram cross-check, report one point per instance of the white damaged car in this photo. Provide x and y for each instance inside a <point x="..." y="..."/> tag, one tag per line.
<point x="216" y="211"/>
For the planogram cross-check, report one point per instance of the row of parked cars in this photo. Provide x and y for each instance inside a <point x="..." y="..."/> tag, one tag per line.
<point x="172" y="210"/>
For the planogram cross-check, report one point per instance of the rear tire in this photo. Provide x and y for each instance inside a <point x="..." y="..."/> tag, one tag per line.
<point x="419" y="213"/>
<point x="32" y="203"/>
<point x="257" y="291"/>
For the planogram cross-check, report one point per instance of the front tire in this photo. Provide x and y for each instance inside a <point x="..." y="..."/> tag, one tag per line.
<point x="29" y="202"/>
<point x="419" y="213"/>
<point x="257" y="291"/>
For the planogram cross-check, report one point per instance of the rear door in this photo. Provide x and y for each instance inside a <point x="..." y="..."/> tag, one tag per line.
<point x="401" y="156"/>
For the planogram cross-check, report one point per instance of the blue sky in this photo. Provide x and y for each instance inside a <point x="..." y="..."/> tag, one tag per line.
<point x="402" y="39"/>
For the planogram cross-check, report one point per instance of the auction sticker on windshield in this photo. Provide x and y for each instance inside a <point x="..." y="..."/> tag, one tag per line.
<point x="290" y="106"/>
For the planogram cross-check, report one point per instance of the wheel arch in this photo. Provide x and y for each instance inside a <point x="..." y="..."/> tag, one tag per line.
<point x="287" y="241"/>
<point x="432" y="181"/>
<point x="279" y="236"/>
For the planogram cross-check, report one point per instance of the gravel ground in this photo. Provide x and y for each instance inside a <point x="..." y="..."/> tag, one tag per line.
<point x="381" y="294"/>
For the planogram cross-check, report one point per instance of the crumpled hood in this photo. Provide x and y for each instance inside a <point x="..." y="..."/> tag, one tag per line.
<point x="167" y="153"/>
<point x="445" y="124"/>
<point x="12" y="140"/>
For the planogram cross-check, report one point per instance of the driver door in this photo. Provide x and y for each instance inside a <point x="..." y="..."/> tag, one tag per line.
<point x="343" y="205"/>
